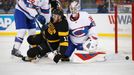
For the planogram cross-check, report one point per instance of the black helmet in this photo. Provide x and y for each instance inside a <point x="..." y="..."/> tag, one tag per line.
<point x="57" y="11"/>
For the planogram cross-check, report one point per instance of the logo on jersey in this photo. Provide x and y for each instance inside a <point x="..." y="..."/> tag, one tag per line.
<point x="80" y="32"/>
<point x="51" y="29"/>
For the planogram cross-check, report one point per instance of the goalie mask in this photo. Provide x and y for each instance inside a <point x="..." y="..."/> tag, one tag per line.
<point x="74" y="7"/>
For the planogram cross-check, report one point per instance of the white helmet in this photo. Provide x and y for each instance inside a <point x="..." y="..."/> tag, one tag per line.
<point x="74" y="7"/>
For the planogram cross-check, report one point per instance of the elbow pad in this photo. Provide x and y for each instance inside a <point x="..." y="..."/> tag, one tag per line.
<point x="41" y="19"/>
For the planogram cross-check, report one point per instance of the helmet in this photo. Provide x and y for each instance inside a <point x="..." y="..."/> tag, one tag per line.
<point x="57" y="15"/>
<point x="74" y="7"/>
<point x="57" y="11"/>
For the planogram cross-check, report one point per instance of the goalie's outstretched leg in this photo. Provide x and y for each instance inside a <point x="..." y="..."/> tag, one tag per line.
<point x="85" y="57"/>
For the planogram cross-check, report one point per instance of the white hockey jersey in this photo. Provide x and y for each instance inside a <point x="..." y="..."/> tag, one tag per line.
<point x="30" y="8"/>
<point x="81" y="29"/>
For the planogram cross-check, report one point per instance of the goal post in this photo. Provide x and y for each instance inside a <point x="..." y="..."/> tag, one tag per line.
<point x="116" y="29"/>
<point x="132" y="30"/>
<point x="125" y="13"/>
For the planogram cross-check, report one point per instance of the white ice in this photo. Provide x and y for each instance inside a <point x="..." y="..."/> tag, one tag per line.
<point x="116" y="65"/>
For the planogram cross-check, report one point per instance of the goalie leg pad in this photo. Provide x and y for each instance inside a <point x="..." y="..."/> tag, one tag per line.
<point x="85" y="57"/>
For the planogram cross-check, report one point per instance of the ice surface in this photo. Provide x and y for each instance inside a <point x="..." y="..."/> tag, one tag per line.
<point x="115" y="65"/>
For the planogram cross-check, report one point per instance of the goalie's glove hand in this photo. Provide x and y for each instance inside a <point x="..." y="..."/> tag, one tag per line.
<point x="41" y="19"/>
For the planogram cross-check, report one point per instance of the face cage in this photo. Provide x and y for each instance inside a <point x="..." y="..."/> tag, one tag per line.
<point x="73" y="10"/>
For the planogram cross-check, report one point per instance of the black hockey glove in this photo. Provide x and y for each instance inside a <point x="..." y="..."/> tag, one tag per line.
<point x="41" y="19"/>
<point x="57" y="58"/>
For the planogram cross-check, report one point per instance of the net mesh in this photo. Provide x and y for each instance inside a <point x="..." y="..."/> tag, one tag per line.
<point x="124" y="29"/>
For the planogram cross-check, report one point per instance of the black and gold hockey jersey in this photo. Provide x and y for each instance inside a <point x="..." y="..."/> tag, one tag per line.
<point x="58" y="33"/>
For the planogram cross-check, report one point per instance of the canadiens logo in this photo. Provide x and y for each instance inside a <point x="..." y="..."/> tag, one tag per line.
<point x="80" y="32"/>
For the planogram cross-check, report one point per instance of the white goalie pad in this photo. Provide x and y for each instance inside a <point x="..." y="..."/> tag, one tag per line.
<point x="85" y="57"/>
<point x="90" y="45"/>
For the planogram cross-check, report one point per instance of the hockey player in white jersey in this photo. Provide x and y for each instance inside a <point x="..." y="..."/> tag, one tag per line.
<point x="82" y="34"/>
<point x="25" y="13"/>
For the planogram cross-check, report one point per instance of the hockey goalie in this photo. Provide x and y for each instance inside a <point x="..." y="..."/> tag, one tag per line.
<point x="83" y="40"/>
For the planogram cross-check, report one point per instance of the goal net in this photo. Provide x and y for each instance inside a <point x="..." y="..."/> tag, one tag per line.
<point x="123" y="29"/>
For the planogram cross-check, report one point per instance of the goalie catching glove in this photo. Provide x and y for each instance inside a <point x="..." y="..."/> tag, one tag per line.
<point x="90" y="45"/>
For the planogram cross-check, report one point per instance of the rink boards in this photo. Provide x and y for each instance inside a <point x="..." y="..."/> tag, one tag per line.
<point x="104" y="24"/>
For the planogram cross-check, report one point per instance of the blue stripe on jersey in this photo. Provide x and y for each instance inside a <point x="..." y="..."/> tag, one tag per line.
<point x="22" y="21"/>
<point x="25" y="1"/>
<point x="45" y="11"/>
<point x="18" y="39"/>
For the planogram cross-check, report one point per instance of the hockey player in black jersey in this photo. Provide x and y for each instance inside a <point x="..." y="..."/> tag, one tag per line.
<point x="53" y="39"/>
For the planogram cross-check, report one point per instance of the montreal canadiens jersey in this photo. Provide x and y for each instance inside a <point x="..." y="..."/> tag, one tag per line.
<point x="80" y="29"/>
<point x="29" y="7"/>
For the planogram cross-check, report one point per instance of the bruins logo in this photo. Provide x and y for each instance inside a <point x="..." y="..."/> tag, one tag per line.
<point x="51" y="29"/>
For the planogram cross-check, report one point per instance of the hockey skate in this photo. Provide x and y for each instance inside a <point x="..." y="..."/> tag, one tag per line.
<point x="65" y="59"/>
<point x="28" y="59"/>
<point x="16" y="53"/>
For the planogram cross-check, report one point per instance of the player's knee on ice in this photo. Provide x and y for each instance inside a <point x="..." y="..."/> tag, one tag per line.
<point x="33" y="52"/>
<point x="34" y="39"/>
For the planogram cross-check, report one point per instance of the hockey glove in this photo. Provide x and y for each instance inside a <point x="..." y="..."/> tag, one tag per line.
<point x="54" y="56"/>
<point x="41" y="19"/>
<point x="57" y="58"/>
